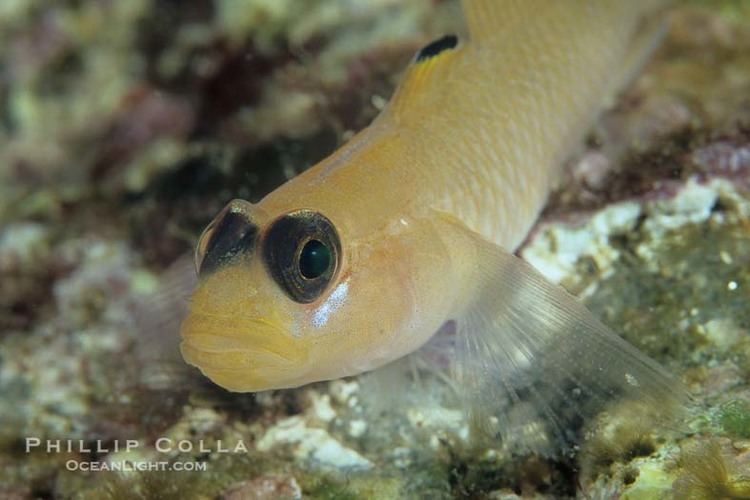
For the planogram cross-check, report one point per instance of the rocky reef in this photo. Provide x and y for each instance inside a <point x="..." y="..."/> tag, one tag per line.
<point x="126" y="126"/>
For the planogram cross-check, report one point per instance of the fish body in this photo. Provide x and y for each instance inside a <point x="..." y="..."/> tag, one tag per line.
<point x="411" y="224"/>
<point x="481" y="129"/>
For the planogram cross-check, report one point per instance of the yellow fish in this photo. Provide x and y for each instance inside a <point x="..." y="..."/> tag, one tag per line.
<point x="412" y="224"/>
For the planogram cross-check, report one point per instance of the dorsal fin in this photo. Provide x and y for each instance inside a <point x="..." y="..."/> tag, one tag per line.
<point x="431" y="64"/>
<point x="434" y="48"/>
<point x="490" y="22"/>
<point x="487" y="18"/>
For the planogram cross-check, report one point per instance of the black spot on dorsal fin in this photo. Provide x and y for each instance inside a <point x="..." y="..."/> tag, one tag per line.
<point x="434" y="48"/>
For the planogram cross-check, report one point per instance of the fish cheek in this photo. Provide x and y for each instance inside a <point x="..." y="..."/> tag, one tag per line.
<point x="354" y="329"/>
<point x="380" y="300"/>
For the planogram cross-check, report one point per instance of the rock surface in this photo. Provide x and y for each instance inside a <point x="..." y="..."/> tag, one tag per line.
<point x="125" y="126"/>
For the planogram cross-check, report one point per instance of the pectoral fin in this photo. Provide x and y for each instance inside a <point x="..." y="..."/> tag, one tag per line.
<point x="532" y="359"/>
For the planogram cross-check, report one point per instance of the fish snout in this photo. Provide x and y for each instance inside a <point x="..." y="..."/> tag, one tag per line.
<point x="241" y="354"/>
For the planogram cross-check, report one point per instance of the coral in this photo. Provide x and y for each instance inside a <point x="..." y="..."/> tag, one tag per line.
<point x="313" y="445"/>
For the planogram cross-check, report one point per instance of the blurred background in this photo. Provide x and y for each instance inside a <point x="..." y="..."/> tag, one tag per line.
<point x="125" y="126"/>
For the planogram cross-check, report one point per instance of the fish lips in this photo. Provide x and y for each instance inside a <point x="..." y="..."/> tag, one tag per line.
<point x="242" y="355"/>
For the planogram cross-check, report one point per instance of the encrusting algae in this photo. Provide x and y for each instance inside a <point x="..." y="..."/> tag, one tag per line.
<point x="217" y="100"/>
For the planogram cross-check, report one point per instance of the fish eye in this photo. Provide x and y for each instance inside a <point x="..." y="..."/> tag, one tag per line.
<point x="301" y="252"/>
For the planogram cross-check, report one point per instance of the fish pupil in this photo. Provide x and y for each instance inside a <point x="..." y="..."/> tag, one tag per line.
<point x="314" y="260"/>
<point x="301" y="251"/>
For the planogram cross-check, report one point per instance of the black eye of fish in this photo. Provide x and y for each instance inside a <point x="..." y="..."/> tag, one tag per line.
<point x="302" y="250"/>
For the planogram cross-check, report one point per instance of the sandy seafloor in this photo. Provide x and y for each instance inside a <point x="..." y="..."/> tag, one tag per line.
<point x="126" y="125"/>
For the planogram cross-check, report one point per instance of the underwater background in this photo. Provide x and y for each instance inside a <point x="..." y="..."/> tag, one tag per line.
<point x="125" y="126"/>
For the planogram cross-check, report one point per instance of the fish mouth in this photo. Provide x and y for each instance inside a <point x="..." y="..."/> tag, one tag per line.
<point x="240" y="354"/>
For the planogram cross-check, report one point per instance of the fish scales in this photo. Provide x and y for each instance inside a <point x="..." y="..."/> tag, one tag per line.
<point x="501" y="115"/>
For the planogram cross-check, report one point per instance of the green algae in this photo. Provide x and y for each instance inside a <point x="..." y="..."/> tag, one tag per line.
<point x="653" y="482"/>
<point x="218" y="476"/>
<point x="734" y="417"/>
<point x="661" y="303"/>
<point x="737" y="11"/>
<point x="675" y="303"/>
<point x="323" y="487"/>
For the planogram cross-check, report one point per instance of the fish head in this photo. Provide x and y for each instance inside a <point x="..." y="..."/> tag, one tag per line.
<point x="288" y="299"/>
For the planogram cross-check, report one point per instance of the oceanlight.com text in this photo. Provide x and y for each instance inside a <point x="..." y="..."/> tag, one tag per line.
<point x="135" y="466"/>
